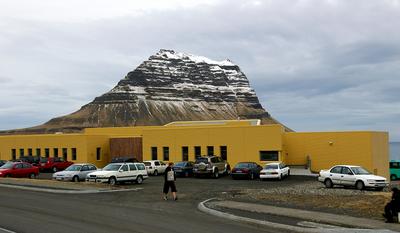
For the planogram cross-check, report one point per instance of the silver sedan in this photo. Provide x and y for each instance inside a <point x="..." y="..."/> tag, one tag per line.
<point x="75" y="172"/>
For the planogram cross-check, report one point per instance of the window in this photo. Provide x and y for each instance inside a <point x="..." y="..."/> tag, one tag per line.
<point x="84" y="168"/>
<point x="210" y="150"/>
<point x="124" y="168"/>
<point x="13" y="154"/>
<point x="98" y="153"/>
<point x="337" y="170"/>
<point x="154" y="153"/>
<point x="73" y="153"/>
<point x="30" y="153"/>
<point x="224" y="152"/>
<point x="46" y="152"/>
<point x="132" y="167"/>
<point x="269" y="156"/>
<point x="38" y="152"/>
<point x="91" y="167"/>
<point x="26" y="165"/>
<point x="19" y="165"/>
<point x="55" y="152"/>
<point x="185" y="153"/>
<point x="395" y="165"/>
<point x="197" y="151"/>
<point x="21" y="152"/>
<point x="140" y="166"/>
<point x="65" y="153"/>
<point x="156" y="163"/>
<point x="166" y="153"/>
<point x="347" y="171"/>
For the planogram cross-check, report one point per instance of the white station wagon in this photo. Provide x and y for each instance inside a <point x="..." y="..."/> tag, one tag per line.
<point x="349" y="175"/>
<point x="119" y="172"/>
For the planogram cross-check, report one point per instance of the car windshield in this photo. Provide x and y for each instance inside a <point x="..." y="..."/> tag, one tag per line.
<point x="180" y="164"/>
<point x="201" y="160"/>
<point x="242" y="165"/>
<point x="7" y="165"/>
<point x="271" y="166"/>
<point x="112" y="167"/>
<point x="74" y="168"/>
<point x="43" y="160"/>
<point x="360" y="171"/>
<point x="147" y="163"/>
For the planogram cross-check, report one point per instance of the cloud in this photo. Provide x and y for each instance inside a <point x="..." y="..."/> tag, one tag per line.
<point x="315" y="65"/>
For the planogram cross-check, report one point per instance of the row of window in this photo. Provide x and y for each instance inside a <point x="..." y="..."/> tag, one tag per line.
<point x="64" y="152"/>
<point x="185" y="152"/>
<point x="264" y="155"/>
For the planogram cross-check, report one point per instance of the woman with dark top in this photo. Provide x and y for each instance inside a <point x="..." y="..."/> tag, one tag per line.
<point x="169" y="182"/>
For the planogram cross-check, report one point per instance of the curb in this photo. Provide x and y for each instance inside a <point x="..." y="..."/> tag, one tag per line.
<point x="61" y="191"/>
<point x="202" y="207"/>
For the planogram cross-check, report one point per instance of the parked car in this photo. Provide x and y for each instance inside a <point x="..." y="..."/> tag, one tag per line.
<point x="155" y="167"/>
<point x="184" y="168"/>
<point x="34" y="160"/>
<point x="248" y="170"/>
<point x="125" y="159"/>
<point x="350" y="175"/>
<point x="54" y="164"/>
<point x="210" y="165"/>
<point x="119" y="172"/>
<point x="19" y="169"/>
<point x="394" y="169"/>
<point x="75" y="172"/>
<point x="275" y="170"/>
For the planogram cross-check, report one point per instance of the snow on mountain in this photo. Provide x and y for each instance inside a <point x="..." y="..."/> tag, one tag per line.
<point x="169" y="86"/>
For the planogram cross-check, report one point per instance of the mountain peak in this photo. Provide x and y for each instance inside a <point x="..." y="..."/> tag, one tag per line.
<point x="169" y="86"/>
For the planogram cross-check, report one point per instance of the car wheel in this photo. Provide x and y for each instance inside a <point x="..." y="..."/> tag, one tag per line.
<point x="75" y="179"/>
<point x="54" y="169"/>
<point x="32" y="176"/>
<point x="393" y="177"/>
<point x="112" y="181"/>
<point x="360" y="185"/>
<point x="216" y="174"/>
<point x="288" y="173"/>
<point x="139" y="179"/>
<point x="251" y="176"/>
<point x="155" y="173"/>
<point x="328" y="183"/>
<point x="280" y="177"/>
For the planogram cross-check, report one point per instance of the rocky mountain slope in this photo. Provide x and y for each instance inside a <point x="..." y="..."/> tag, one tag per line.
<point x="169" y="86"/>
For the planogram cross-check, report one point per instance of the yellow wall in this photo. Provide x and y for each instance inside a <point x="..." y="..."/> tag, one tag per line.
<point x="326" y="149"/>
<point x="243" y="142"/>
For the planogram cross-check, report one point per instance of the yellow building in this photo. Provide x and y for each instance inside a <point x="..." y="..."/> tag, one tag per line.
<point x="235" y="141"/>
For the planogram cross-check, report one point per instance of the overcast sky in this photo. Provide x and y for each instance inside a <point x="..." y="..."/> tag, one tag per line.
<point x="315" y="65"/>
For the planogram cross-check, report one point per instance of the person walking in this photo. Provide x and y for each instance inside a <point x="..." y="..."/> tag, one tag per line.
<point x="169" y="182"/>
<point x="393" y="207"/>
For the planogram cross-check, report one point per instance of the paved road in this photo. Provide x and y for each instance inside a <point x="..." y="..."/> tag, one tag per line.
<point x="137" y="211"/>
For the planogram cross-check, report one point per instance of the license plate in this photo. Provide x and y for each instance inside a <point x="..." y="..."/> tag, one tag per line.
<point x="238" y="171"/>
<point x="59" y="178"/>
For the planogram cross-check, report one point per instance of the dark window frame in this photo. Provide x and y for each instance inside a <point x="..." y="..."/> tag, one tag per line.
<point x="210" y="150"/>
<point x="13" y="154"/>
<point x="55" y="152"/>
<point x="224" y="152"/>
<point x="269" y="155"/>
<point x="46" y="152"/>
<point x="185" y="153"/>
<point x="165" y="153"/>
<point x="197" y="151"/>
<point x="65" y="153"/>
<point x="98" y="153"/>
<point x="73" y="154"/>
<point x="154" y="153"/>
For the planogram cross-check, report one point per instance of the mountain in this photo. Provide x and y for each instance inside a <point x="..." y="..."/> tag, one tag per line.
<point x="169" y="86"/>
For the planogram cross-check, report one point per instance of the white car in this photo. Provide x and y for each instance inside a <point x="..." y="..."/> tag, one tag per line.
<point x="76" y="172"/>
<point x="274" y="170"/>
<point x="349" y="175"/>
<point x="155" y="167"/>
<point x="119" y="172"/>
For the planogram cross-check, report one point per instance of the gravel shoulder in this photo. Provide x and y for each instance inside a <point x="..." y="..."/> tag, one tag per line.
<point x="312" y="195"/>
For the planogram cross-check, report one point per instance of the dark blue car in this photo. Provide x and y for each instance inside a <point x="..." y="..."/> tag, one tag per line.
<point x="184" y="168"/>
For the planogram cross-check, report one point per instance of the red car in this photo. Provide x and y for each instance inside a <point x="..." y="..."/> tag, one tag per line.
<point x="19" y="169"/>
<point x="54" y="164"/>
